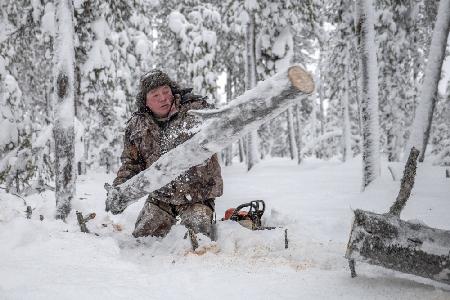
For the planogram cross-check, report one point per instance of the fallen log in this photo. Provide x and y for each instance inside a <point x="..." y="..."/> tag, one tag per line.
<point x="220" y="127"/>
<point x="386" y="240"/>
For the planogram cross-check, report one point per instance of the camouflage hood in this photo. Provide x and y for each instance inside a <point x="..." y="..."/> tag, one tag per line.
<point x="150" y="80"/>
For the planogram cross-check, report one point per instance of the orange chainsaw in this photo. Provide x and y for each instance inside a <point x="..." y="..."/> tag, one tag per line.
<point x="250" y="218"/>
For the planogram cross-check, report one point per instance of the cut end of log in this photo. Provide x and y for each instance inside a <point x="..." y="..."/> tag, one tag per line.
<point x="301" y="79"/>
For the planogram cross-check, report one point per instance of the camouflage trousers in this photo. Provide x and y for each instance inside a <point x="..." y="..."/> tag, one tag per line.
<point x="156" y="217"/>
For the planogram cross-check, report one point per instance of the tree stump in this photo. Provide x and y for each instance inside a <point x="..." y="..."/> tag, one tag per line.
<point x="29" y="212"/>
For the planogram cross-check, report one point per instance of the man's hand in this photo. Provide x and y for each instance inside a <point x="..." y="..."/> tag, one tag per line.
<point x="113" y="201"/>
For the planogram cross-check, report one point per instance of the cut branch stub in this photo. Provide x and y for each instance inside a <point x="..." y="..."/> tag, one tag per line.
<point x="406" y="184"/>
<point x="62" y="83"/>
<point x="301" y="79"/>
<point x="83" y="220"/>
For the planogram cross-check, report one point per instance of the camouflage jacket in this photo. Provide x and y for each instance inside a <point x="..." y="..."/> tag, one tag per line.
<point x="147" y="139"/>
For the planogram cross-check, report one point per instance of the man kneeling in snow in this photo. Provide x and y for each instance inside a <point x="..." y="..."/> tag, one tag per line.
<point x="160" y="124"/>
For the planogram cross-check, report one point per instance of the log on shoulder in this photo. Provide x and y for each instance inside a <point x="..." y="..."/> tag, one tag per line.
<point x="219" y="128"/>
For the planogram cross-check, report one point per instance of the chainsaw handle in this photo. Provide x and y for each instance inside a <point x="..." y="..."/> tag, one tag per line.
<point x="256" y="206"/>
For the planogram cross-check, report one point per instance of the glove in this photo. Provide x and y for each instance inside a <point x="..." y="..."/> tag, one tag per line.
<point x="114" y="202"/>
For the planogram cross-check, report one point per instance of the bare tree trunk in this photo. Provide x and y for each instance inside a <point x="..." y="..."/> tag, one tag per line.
<point x="346" y="133"/>
<point x="241" y="150"/>
<point x="229" y="149"/>
<point x="63" y="130"/>
<point x="250" y="74"/>
<point x="369" y="101"/>
<point x="320" y="90"/>
<point x="299" y="133"/>
<point x="291" y="133"/>
<point x="420" y="131"/>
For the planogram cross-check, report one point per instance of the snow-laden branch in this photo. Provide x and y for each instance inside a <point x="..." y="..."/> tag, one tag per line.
<point x="326" y="136"/>
<point x="219" y="128"/>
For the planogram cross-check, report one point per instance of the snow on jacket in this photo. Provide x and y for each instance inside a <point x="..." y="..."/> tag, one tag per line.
<point x="147" y="139"/>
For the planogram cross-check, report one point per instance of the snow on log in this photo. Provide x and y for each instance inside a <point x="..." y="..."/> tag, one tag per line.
<point x="387" y="241"/>
<point x="411" y="248"/>
<point x="219" y="128"/>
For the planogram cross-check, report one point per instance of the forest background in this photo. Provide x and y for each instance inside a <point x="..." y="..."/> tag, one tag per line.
<point x="221" y="49"/>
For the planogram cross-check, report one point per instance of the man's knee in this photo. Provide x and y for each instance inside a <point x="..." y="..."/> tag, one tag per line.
<point x="153" y="221"/>
<point x="198" y="217"/>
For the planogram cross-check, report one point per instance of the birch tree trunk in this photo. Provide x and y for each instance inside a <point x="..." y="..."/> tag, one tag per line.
<point x="346" y="134"/>
<point x="369" y="90"/>
<point x="299" y="133"/>
<point x="63" y="129"/>
<point x="320" y="90"/>
<point x="420" y="130"/>
<point x="291" y="133"/>
<point x="241" y="150"/>
<point x="250" y="82"/>
<point x="229" y="149"/>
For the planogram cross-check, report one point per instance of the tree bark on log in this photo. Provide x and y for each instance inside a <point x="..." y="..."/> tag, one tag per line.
<point x="219" y="128"/>
<point x="387" y="241"/>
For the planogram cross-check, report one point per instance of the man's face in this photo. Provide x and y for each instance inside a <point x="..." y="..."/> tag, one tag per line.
<point x="159" y="100"/>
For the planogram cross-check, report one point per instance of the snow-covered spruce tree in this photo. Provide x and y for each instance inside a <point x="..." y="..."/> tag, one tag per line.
<point x="316" y="14"/>
<point x="12" y="136"/>
<point x="26" y="49"/>
<point x="317" y="17"/>
<point x="396" y="90"/>
<point x="231" y="61"/>
<point x="276" y="55"/>
<point x="304" y="50"/>
<point x="275" y="49"/>
<point x="420" y="131"/>
<point x="197" y="31"/>
<point x="63" y="130"/>
<point x="365" y="17"/>
<point x="342" y="88"/>
<point x="112" y="52"/>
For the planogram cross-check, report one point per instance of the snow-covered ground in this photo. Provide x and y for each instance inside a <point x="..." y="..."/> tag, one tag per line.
<point x="53" y="260"/>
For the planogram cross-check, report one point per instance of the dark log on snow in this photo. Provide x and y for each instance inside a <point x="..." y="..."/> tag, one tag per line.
<point x="412" y="248"/>
<point x="220" y="127"/>
<point x="83" y="220"/>
<point x="387" y="241"/>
